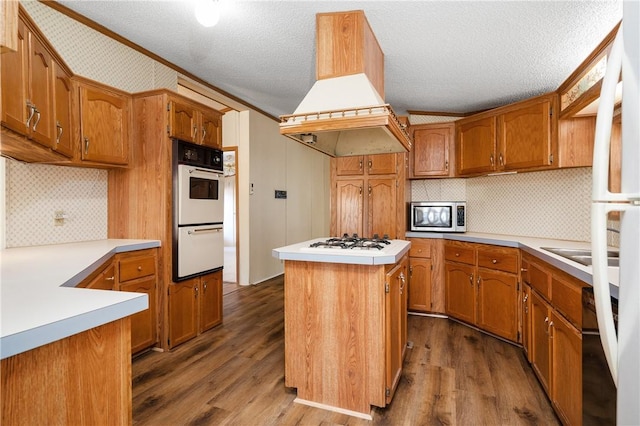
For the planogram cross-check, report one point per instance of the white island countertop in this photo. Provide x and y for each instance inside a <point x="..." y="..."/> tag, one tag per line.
<point x="38" y="302"/>
<point x="390" y="254"/>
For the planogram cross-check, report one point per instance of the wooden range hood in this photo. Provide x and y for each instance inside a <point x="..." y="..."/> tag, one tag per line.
<point x="344" y="113"/>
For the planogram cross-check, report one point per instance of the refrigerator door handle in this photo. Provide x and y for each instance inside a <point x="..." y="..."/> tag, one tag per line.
<point x="603" y="204"/>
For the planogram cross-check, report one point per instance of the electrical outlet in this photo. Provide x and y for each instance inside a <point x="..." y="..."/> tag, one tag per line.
<point x="59" y="217"/>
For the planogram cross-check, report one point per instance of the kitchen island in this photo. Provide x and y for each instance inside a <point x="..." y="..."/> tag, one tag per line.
<point x="345" y="324"/>
<point x="66" y="352"/>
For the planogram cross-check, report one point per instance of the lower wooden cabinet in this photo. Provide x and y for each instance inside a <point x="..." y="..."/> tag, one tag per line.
<point x="526" y="320"/>
<point x="195" y="306"/>
<point x="482" y="286"/>
<point x="396" y="325"/>
<point x="103" y="280"/>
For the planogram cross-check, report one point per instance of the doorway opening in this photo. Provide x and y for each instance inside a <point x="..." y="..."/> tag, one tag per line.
<point x="230" y="271"/>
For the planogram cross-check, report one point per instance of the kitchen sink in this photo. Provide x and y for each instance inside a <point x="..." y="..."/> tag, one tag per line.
<point x="583" y="256"/>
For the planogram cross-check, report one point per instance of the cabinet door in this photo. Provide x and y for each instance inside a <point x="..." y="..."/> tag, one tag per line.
<point x="419" y="284"/>
<point x="210" y="300"/>
<point x="476" y="146"/>
<point x="106" y="280"/>
<point x="349" y="207"/>
<point x="381" y="164"/>
<point x="460" y="291"/>
<point x="526" y="321"/>
<point x="13" y="78"/>
<point x="62" y="91"/>
<point x="430" y="152"/>
<point x="566" y="370"/>
<point x="381" y="207"/>
<point x="183" y="311"/>
<point x="104" y="125"/>
<point x="498" y="303"/>
<point x="395" y="327"/>
<point x="182" y="121"/>
<point x="347" y="166"/>
<point x="540" y="345"/>
<point x="41" y="92"/>
<point x="143" y="324"/>
<point x="210" y="129"/>
<point x="525" y="137"/>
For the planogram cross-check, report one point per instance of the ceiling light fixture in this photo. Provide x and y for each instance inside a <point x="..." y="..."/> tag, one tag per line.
<point x="207" y="12"/>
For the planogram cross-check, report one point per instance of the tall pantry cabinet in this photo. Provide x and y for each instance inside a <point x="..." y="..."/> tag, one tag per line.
<point x="368" y="195"/>
<point x="140" y="206"/>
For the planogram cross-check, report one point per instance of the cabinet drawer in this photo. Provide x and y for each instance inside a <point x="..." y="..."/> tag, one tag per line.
<point x="566" y="297"/>
<point x="420" y="247"/>
<point x="136" y="267"/>
<point x="536" y="276"/>
<point x="502" y="259"/>
<point x="459" y="253"/>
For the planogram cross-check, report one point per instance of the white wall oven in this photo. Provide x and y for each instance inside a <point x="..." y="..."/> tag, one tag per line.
<point x="198" y="210"/>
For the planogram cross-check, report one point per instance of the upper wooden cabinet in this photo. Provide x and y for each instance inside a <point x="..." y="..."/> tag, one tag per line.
<point x="105" y="122"/>
<point x="522" y="136"/>
<point x="432" y="150"/>
<point x="8" y="30"/>
<point x="36" y="93"/>
<point x="380" y="164"/>
<point x="194" y="123"/>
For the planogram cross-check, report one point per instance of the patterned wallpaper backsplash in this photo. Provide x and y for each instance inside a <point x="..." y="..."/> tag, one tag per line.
<point x="34" y="192"/>
<point x="550" y="204"/>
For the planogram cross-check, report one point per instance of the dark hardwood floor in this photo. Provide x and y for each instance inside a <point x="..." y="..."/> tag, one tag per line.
<point x="234" y="375"/>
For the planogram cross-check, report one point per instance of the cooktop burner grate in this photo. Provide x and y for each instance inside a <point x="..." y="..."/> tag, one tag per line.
<point x="354" y="242"/>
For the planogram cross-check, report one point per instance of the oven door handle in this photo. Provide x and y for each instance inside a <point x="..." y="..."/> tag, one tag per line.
<point x="215" y="172"/>
<point x="204" y="230"/>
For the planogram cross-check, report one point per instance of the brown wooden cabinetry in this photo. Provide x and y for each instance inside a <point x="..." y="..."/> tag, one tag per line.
<point x="195" y="306"/>
<point x="36" y="96"/>
<point x="420" y="269"/>
<point x="396" y="325"/>
<point x="137" y="272"/>
<point x="194" y="123"/>
<point x="522" y="136"/>
<point x="432" y="151"/>
<point x="482" y="286"/>
<point x="105" y="123"/>
<point x="104" y="279"/>
<point x="368" y="195"/>
<point x="526" y="320"/>
<point x="147" y="186"/>
<point x="8" y="32"/>
<point x="555" y="344"/>
<point x="355" y="315"/>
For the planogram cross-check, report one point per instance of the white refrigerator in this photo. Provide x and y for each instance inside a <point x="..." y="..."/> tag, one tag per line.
<point x="622" y="349"/>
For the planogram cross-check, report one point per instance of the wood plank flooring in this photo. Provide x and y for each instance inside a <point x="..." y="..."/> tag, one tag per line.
<point x="234" y="375"/>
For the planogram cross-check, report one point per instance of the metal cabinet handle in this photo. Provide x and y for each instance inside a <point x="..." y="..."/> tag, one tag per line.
<point x="360" y="164"/>
<point x="86" y="145"/>
<point x="457" y="254"/>
<point x="37" y="119"/>
<point x="404" y="281"/>
<point x="369" y="191"/>
<point x="204" y="133"/>
<point x="525" y="298"/>
<point x="59" y="127"/>
<point x="370" y="164"/>
<point x="524" y="270"/>
<point x="446" y="165"/>
<point x="491" y="160"/>
<point x="501" y="159"/>
<point x="32" y="111"/>
<point x="471" y="279"/>
<point x="139" y="268"/>
<point x="110" y="279"/>
<point x="195" y="132"/>
<point x="195" y="290"/>
<point x="204" y="286"/>
<point x="494" y="261"/>
<point x="551" y="330"/>
<point x="360" y="190"/>
<point x="478" y="280"/>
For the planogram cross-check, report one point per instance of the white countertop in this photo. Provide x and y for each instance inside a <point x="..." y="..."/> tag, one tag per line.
<point x="301" y="251"/>
<point x="38" y="301"/>
<point x="533" y="246"/>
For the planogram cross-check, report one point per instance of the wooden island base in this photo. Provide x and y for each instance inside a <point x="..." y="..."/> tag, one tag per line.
<point x="345" y="333"/>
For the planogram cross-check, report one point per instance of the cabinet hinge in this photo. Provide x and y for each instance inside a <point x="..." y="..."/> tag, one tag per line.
<point x="386" y="287"/>
<point x="431" y="266"/>
<point x="168" y="106"/>
<point x="551" y="158"/>
<point x="518" y="336"/>
<point x="551" y="112"/>
<point x="387" y="392"/>
<point x="168" y="130"/>
<point x="518" y="286"/>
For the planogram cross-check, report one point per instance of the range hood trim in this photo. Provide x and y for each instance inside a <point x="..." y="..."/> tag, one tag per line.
<point x="362" y="118"/>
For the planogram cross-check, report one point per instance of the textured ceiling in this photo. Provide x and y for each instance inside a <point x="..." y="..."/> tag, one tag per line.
<point x="448" y="56"/>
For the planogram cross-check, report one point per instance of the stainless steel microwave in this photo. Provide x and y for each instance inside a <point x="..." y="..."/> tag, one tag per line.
<point x="438" y="216"/>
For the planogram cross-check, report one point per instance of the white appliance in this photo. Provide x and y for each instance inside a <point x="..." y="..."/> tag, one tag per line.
<point x="198" y="237"/>
<point x="622" y="350"/>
